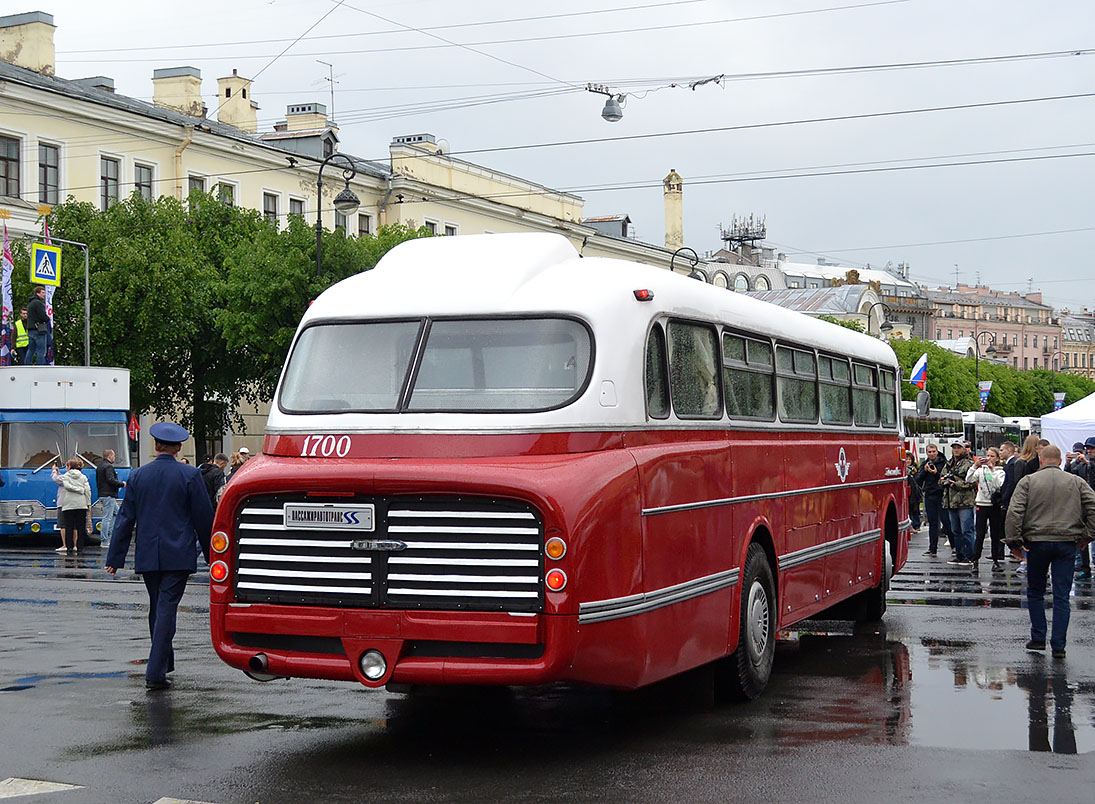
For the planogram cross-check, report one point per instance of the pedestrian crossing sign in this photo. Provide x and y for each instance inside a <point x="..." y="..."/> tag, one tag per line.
<point x="45" y="265"/>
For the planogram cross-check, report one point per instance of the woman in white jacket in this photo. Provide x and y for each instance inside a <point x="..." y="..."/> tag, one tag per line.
<point x="73" y="502"/>
<point x="989" y="476"/>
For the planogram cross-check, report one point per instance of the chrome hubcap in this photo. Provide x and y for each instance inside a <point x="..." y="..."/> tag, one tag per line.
<point x="757" y="621"/>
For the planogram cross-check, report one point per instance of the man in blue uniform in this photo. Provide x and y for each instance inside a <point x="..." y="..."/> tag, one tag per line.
<point x="167" y="502"/>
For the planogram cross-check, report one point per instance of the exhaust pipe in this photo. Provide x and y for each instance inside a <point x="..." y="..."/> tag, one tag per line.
<point x="259" y="663"/>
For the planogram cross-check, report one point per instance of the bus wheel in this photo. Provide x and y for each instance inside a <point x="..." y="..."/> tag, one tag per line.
<point x="875" y="599"/>
<point x="745" y="673"/>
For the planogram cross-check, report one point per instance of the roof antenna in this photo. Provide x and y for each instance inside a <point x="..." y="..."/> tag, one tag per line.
<point x="331" y="79"/>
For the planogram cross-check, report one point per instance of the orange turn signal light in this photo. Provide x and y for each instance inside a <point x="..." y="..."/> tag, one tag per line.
<point x="218" y="571"/>
<point x="556" y="580"/>
<point x="555" y="548"/>
<point x="219" y="542"/>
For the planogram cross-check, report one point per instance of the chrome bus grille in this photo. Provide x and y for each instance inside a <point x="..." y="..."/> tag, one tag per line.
<point x="463" y="553"/>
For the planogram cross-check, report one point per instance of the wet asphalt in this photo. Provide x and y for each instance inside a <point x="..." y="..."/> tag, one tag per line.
<point x="941" y="703"/>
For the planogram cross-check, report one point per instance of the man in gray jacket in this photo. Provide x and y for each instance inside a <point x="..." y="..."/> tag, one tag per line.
<point x="1052" y="514"/>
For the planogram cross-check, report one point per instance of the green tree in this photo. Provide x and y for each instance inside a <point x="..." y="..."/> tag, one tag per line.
<point x="857" y="326"/>
<point x="199" y="300"/>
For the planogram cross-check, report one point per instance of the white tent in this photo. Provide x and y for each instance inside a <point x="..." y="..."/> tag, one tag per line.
<point x="1071" y="424"/>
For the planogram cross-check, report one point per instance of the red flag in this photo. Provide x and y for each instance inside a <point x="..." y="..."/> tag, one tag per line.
<point x="134" y="427"/>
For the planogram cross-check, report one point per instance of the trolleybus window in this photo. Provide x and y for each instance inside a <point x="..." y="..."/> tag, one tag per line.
<point x="693" y="371"/>
<point x="657" y="381"/>
<point x="29" y="445"/>
<point x="92" y="439"/>
<point x="836" y="403"/>
<point x="506" y="364"/>
<point x="348" y="366"/>
<point x="889" y="399"/>
<point x="747" y="377"/>
<point x="796" y="384"/>
<point x="865" y="395"/>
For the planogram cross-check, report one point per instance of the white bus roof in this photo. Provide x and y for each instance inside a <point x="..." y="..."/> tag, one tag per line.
<point x="64" y="388"/>
<point x="537" y="274"/>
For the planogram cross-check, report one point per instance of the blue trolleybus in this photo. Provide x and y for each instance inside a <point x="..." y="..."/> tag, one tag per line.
<point x="53" y="413"/>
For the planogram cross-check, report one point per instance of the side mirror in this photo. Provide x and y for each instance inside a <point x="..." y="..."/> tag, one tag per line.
<point x="923" y="403"/>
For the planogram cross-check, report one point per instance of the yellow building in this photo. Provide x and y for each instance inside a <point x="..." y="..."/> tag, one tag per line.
<point x="1078" y="343"/>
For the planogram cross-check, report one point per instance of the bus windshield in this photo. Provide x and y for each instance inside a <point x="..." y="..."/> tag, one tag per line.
<point x="91" y="439"/>
<point x="466" y="365"/>
<point x="29" y="445"/>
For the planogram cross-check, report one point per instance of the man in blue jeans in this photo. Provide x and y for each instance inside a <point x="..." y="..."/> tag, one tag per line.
<point x="959" y="496"/>
<point x="1052" y="514"/>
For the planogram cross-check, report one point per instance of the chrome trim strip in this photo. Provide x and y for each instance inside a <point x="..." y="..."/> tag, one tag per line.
<point x="276" y="573"/>
<point x="261" y="512"/>
<point x="615" y="608"/>
<point x="460" y="514"/>
<point x="667" y="509"/>
<point x="808" y="554"/>
<point x="470" y="546"/>
<point x="904" y="524"/>
<point x="456" y="529"/>
<point x="410" y="576"/>
<point x="261" y="526"/>
<point x="288" y="587"/>
<point x="337" y="543"/>
<point x="460" y="593"/>
<point x="314" y="559"/>
<point x="466" y="562"/>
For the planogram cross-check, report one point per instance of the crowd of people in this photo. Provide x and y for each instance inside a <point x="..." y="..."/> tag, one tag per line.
<point x="1033" y="505"/>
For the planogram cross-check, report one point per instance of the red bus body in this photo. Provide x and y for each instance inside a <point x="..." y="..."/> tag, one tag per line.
<point x="656" y="520"/>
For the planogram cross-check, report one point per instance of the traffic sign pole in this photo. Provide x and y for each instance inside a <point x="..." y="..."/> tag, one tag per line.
<point x="87" y="288"/>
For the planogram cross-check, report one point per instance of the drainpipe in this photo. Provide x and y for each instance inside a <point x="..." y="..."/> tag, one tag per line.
<point x="178" y="161"/>
<point x="382" y="207"/>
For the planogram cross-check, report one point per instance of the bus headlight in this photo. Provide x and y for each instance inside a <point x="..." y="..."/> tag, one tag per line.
<point x="373" y="665"/>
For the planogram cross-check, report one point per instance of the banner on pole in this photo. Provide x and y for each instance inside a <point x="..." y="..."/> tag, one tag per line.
<point x="1058" y="400"/>
<point x="6" y="268"/>
<point x="984" y="388"/>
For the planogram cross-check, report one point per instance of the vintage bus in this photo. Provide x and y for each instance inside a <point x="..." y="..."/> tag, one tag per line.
<point x="984" y="430"/>
<point x="492" y="461"/>
<point x="941" y="427"/>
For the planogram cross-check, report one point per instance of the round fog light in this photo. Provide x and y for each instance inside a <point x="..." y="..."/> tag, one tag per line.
<point x="35" y="527"/>
<point x="373" y="665"/>
<point x="218" y="571"/>
<point x="556" y="580"/>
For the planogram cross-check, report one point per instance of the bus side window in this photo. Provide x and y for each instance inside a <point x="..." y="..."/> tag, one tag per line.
<point x="693" y="370"/>
<point x="657" y="380"/>
<point x="888" y="400"/>
<point x="797" y="385"/>
<point x="865" y="395"/>
<point x="747" y="378"/>
<point x="836" y="403"/>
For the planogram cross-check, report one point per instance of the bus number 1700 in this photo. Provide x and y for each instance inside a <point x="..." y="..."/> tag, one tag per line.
<point x="325" y="446"/>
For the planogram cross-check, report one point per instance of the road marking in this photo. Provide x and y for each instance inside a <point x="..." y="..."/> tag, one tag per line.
<point x="179" y="801"/>
<point x="12" y="787"/>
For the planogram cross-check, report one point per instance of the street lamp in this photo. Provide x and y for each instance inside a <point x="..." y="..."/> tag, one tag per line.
<point x="1052" y="372"/>
<point x="883" y="328"/>
<point x="345" y="202"/>
<point x="990" y="352"/>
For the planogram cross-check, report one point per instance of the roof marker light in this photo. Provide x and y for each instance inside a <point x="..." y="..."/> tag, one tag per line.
<point x="644" y="295"/>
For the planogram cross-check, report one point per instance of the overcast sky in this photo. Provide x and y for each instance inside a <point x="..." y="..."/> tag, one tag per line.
<point x="873" y="217"/>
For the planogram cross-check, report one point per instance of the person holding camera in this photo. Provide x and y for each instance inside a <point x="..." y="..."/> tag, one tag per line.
<point x="959" y="495"/>
<point x="989" y="477"/>
<point x="928" y="480"/>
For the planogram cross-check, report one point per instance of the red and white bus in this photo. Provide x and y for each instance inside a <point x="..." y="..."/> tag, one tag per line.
<point x="492" y="461"/>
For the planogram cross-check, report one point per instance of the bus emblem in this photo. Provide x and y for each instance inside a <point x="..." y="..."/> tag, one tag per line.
<point x="842" y="466"/>
<point x="385" y="545"/>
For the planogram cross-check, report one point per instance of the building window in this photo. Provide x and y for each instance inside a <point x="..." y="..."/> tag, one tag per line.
<point x="431" y="227"/>
<point x="939" y="334"/>
<point x="340" y="222"/>
<point x="950" y="334"/>
<point x="1014" y="339"/>
<point x="364" y="225"/>
<point x="960" y="335"/>
<point x="1035" y="362"/>
<point x="108" y="184"/>
<point x="270" y="207"/>
<point x="1045" y="342"/>
<point x="450" y="230"/>
<point x="227" y="194"/>
<point x="1026" y="363"/>
<point x="49" y="174"/>
<point x="142" y="181"/>
<point x="197" y="184"/>
<point x="296" y="207"/>
<point x="9" y="167"/>
<point x="1054" y="341"/>
<point x="1015" y="362"/>
<point x="741" y="283"/>
<point x="762" y="283"/>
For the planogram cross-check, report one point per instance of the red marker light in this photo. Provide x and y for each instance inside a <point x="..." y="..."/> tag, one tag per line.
<point x="644" y="295"/>
<point x="218" y="571"/>
<point x="556" y="580"/>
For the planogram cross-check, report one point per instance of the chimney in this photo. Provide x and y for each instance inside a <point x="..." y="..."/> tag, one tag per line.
<point x="180" y="89"/>
<point x="674" y="210"/>
<point x="26" y="40"/>
<point x="424" y="142"/>
<point x="306" y="117"/>
<point x="234" y="106"/>
<point x="98" y="82"/>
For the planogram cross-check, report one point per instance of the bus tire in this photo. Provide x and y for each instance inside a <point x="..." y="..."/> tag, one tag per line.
<point x="746" y="671"/>
<point x="875" y="599"/>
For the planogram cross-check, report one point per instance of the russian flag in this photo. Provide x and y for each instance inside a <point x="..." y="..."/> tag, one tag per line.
<point x="920" y="372"/>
